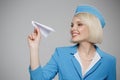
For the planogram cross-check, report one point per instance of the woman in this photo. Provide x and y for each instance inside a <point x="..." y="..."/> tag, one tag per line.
<point x="83" y="61"/>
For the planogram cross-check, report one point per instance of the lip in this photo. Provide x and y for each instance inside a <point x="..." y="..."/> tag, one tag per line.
<point x="74" y="33"/>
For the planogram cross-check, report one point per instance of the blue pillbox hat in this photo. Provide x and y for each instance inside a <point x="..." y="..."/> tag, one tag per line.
<point x="91" y="10"/>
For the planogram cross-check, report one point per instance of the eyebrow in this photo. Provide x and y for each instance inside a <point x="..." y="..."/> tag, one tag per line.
<point x="77" y="22"/>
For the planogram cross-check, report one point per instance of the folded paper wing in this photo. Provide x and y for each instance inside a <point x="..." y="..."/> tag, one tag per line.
<point x="45" y="30"/>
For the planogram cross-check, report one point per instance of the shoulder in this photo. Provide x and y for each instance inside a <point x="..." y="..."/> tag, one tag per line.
<point x="109" y="57"/>
<point x="63" y="52"/>
<point x="66" y="49"/>
<point x="109" y="61"/>
<point x="105" y="56"/>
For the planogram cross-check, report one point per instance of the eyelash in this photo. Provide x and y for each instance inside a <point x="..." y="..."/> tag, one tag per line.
<point x="71" y="25"/>
<point x="79" y="24"/>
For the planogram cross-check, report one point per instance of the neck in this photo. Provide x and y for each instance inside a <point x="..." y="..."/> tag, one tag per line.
<point x="86" y="48"/>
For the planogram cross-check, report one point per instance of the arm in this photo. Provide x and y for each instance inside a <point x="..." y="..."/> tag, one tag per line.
<point x="112" y="72"/>
<point x="36" y="71"/>
<point x="47" y="72"/>
<point x="33" y="41"/>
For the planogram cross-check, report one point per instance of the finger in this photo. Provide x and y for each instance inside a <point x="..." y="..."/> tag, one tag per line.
<point x="34" y="36"/>
<point x="37" y="30"/>
<point x="30" y="37"/>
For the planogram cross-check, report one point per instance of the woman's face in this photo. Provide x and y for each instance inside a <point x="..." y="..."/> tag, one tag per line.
<point x="79" y="31"/>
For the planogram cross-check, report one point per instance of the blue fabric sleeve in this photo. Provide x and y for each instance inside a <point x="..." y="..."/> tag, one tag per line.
<point x="47" y="72"/>
<point x="112" y="72"/>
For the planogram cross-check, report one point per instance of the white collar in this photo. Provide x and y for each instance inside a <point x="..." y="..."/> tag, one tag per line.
<point x="94" y="61"/>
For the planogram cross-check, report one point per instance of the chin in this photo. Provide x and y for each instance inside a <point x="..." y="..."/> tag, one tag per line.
<point x="75" y="41"/>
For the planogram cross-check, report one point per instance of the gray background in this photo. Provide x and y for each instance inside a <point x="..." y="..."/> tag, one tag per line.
<point x="15" y="25"/>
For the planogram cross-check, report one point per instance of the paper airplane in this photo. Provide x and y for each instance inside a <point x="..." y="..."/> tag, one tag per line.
<point x="45" y="30"/>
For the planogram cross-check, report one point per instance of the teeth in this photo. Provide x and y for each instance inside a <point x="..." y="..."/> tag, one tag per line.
<point x="75" y="34"/>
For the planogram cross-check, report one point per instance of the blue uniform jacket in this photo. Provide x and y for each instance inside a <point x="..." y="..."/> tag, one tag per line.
<point x="65" y="64"/>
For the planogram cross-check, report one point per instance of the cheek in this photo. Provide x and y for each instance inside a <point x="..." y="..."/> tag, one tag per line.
<point x="84" y="32"/>
<point x="81" y="30"/>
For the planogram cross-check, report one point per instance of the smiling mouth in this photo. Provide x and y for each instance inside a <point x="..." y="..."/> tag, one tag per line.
<point x="75" y="34"/>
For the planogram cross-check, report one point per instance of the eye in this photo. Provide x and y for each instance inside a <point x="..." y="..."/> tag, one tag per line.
<point x="80" y="24"/>
<point x="72" y="24"/>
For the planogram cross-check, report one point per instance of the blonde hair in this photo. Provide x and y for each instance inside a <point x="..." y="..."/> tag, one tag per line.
<point x="94" y="26"/>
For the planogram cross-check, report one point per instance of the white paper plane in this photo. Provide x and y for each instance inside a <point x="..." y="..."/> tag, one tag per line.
<point x="45" y="30"/>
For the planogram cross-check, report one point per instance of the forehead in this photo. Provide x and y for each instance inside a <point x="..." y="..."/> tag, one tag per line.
<point x="76" y="20"/>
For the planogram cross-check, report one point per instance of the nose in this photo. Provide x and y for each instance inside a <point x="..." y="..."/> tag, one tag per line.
<point x="74" y="27"/>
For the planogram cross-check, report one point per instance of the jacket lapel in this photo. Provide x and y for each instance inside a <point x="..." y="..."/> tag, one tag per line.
<point x="76" y="66"/>
<point x="93" y="68"/>
<point x="97" y="64"/>
<point x="75" y="63"/>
